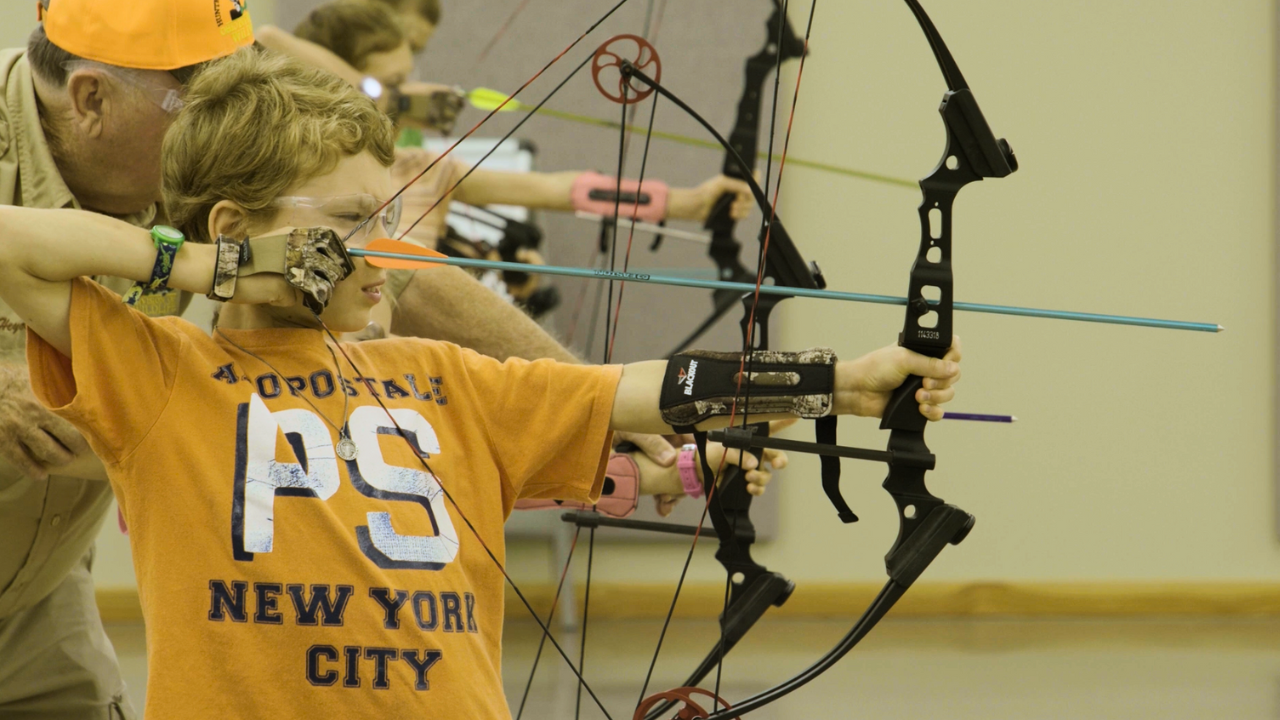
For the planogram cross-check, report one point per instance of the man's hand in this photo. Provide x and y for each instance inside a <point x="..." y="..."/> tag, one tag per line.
<point x="655" y="447"/>
<point x="696" y="203"/>
<point x="864" y="386"/>
<point x="661" y="451"/>
<point x="667" y="490"/>
<point x="33" y="439"/>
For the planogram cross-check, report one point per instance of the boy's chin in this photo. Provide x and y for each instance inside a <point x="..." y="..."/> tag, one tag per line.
<point x="347" y="322"/>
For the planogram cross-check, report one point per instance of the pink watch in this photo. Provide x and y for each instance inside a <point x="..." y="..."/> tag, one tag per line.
<point x="688" y="471"/>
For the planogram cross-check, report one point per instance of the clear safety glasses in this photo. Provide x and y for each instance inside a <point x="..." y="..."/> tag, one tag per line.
<point x="351" y="216"/>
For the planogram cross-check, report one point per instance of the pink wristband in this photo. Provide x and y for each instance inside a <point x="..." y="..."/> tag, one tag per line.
<point x="596" y="193"/>
<point x="686" y="464"/>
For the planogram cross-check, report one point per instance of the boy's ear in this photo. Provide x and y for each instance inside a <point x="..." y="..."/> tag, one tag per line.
<point x="227" y="218"/>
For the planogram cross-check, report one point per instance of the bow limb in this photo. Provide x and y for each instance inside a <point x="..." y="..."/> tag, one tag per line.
<point x="742" y="148"/>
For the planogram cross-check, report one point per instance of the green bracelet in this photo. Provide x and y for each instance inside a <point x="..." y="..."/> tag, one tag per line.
<point x="168" y="241"/>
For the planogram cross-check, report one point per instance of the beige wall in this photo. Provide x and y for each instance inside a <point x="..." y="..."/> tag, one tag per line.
<point x="17" y="19"/>
<point x="1145" y="131"/>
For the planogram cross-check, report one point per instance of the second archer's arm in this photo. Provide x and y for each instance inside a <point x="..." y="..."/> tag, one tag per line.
<point x="556" y="191"/>
<point x="282" y="41"/>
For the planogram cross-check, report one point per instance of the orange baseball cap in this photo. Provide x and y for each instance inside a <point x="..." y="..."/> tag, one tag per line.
<point x="149" y="34"/>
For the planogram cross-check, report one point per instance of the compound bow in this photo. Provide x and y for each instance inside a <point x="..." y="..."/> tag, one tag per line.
<point x="926" y="523"/>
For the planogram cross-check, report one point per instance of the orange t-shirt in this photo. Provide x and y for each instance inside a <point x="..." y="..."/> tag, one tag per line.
<point x="371" y="597"/>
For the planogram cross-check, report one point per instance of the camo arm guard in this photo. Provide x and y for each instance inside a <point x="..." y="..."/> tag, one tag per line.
<point x="700" y="384"/>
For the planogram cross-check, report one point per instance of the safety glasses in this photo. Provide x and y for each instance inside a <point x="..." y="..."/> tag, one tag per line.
<point x="148" y="82"/>
<point x="352" y="216"/>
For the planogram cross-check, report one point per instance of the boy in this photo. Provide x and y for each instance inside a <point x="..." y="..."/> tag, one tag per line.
<point x="390" y="465"/>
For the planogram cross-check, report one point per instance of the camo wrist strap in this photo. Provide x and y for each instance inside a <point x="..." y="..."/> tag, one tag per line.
<point x="701" y="384"/>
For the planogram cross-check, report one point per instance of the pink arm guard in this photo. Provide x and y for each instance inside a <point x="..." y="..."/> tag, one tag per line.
<point x="618" y="499"/>
<point x="606" y="189"/>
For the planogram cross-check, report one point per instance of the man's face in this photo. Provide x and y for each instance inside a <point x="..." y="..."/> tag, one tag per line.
<point x="140" y="132"/>
<point x="118" y="128"/>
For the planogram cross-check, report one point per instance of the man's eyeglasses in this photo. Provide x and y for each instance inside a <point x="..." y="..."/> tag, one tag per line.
<point x="352" y="216"/>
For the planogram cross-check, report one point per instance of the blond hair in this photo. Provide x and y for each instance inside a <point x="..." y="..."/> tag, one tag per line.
<point x="428" y="10"/>
<point x="256" y="124"/>
<point x="352" y="29"/>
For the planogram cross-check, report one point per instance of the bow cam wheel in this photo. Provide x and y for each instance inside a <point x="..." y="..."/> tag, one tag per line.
<point x="611" y="77"/>
<point x="681" y="700"/>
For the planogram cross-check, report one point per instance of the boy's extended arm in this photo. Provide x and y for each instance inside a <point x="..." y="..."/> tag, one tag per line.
<point x="862" y="387"/>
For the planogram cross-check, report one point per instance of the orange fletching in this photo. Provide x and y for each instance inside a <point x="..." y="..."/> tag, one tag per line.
<point x="387" y="245"/>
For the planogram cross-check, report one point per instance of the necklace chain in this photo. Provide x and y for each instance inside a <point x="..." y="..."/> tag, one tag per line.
<point x="346" y="448"/>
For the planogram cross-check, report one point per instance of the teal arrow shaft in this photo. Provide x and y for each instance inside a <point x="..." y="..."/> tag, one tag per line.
<point x="794" y="292"/>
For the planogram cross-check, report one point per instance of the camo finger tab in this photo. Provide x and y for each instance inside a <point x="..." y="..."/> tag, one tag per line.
<point x="316" y="261"/>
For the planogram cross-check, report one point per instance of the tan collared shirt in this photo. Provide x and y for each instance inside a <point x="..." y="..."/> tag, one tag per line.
<point x="45" y="526"/>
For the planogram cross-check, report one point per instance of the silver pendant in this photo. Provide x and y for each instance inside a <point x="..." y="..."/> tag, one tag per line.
<point x="347" y="449"/>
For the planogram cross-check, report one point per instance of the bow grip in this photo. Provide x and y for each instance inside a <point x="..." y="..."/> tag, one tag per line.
<point x="903" y="412"/>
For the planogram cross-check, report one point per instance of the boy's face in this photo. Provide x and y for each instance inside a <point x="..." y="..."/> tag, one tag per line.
<point x="392" y="68"/>
<point x="340" y="199"/>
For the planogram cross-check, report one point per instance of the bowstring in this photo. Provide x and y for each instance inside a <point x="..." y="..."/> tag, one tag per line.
<point x="747" y="344"/>
<point x="608" y="351"/>
<point x="502" y="29"/>
<point x="555" y="601"/>
<point x="628" y="124"/>
<point x="635" y="212"/>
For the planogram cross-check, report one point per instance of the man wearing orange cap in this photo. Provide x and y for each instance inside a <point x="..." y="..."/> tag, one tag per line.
<point x="84" y="110"/>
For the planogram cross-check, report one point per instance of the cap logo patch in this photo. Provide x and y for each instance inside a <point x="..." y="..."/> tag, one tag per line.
<point x="232" y="17"/>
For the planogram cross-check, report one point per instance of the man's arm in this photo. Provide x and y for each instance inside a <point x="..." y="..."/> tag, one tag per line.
<point x="448" y="304"/>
